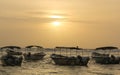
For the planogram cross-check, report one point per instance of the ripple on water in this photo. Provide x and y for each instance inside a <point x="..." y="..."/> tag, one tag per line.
<point x="46" y="67"/>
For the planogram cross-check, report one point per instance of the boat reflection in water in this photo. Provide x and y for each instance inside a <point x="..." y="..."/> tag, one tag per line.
<point x="69" y="60"/>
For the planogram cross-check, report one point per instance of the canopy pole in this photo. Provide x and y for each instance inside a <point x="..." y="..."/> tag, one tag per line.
<point x="66" y="52"/>
<point x="118" y="53"/>
<point x="76" y="52"/>
<point x="70" y="52"/>
<point x="25" y="50"/>
<point x="54" y="51"/>
<point x="82" y="52"/>
<point x="60" y="51"/>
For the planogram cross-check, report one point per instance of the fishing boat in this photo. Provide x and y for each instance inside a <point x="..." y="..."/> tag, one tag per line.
<point x="11" y="60"/>
<point x="11" y="57"/>
<point x="69" y="60"/>
<point x="102" y="58"/>
<point x="12" y="50"/>
<point x="96" y="55"/>
<point x="34" y="56"/>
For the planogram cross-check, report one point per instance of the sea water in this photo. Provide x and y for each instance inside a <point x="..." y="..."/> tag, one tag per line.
<point x="47" y="66"/>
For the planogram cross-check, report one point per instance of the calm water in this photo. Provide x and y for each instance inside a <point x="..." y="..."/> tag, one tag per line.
<point x="47" y="67"/>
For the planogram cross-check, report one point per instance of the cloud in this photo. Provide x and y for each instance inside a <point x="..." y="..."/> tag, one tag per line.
<point x="41" y="15"/>
<point x="31" y="16"/>
<point x="44" y="17"/>
<point x="46" y="13"/>
<point x="12" y="20"/>
<point x="17" y="20"/>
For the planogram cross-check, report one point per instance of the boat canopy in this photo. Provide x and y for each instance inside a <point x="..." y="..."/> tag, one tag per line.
<point x="11" y="47"/>
<point x="31" y="46"/>
<point x="106" y="48"/>
<point x="69" y="48"/>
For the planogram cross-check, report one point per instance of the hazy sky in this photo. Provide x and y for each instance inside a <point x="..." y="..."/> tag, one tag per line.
<point x="83" y="23"/>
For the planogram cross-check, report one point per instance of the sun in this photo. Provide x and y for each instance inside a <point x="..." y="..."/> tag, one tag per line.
<point x="56" y="23"/>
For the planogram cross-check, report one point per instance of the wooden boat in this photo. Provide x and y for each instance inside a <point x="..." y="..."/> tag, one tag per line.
<point x="29" y="56"/>
<point x="11" y="60"/>
<point x="95" y="55"/>
<point x="12" y="52"/>
<point x="105" y="58"/>
<point x="69" y="60"/>
<point x="64" y="60"/>
<point x="34" y="57"/>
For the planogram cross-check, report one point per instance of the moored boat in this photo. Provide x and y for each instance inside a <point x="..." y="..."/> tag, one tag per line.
<point x="30" y="56"/>
<point x="69" y="60"/>
<point x="11" y="56"/>
<point x="34" y="57"/>
<point x="12" y="50"/>
<point x="105" y="58"/>
<point x="11" y="60"/>
<point x="74" y="61"/>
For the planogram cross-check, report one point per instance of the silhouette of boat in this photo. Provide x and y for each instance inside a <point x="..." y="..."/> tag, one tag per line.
<point x="106" y="48"/>
<point x="11" y="50"/>
<point x="11" y="47"/>
<point x="69" y="60"/>
<point x="105" y="58"/>
<point x="34" y="56"/>
<point x="12" y="58"/>
<point x="95" y="55"/>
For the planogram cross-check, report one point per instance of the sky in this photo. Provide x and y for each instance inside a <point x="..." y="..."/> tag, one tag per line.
<point x="50" y="23"/>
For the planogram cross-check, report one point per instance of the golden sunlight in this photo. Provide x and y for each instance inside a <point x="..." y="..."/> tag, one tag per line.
<point x="56" y="23"/>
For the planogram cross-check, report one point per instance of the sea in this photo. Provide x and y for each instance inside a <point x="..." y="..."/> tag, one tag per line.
<point x="47" y="66"/>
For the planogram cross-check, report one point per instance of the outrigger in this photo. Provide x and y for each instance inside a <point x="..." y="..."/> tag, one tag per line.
<point x="69" y="60"/>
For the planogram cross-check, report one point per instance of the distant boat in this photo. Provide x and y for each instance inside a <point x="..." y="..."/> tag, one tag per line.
<point x="72" y="60"/>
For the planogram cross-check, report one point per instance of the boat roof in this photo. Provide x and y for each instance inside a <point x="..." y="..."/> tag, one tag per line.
<point x="69" y="48"/>
<point x="106" y="48"/>
<point x="11" y="47"/>
<point x="33" y="46"/>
